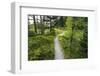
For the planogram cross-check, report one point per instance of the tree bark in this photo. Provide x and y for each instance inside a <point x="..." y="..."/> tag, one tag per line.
<point x="50" y="25"/>
<point x="42" y="25"/>
<point x="35" y="28"/>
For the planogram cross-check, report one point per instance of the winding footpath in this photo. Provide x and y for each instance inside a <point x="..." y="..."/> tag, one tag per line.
<point x="58" y="51"/>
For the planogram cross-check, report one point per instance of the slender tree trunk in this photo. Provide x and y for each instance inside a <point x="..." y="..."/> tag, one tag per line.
<point x="50" y="25"/>
<point x="43" y="29"/>
<point x="35" y="28"/>
<point x="42" y="25"/>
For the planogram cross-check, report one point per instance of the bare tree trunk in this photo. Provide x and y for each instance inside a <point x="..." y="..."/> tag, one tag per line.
<point x="50" y="25"/>
<point x="42" y="25"/>
<point x="35" y="24"/>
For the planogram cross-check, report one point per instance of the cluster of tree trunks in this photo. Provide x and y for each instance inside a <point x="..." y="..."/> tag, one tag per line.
<point x="39" y="22"/>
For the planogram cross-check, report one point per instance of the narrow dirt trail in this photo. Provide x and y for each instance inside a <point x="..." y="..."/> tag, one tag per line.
<point x="58" y="51"/>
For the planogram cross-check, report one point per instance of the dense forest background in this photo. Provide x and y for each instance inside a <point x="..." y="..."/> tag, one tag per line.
<point x="72" y="34"/>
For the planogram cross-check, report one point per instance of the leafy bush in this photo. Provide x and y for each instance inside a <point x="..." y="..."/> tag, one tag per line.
<point x="76" y="45"/>
<point x="41" y="47"/>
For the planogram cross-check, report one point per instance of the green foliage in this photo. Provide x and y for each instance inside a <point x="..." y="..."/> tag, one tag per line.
<point x="79" y="39"/>
<point x="69" y="22"/>
<point x="41" y="47"/>
<point x="72" y="33"/>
